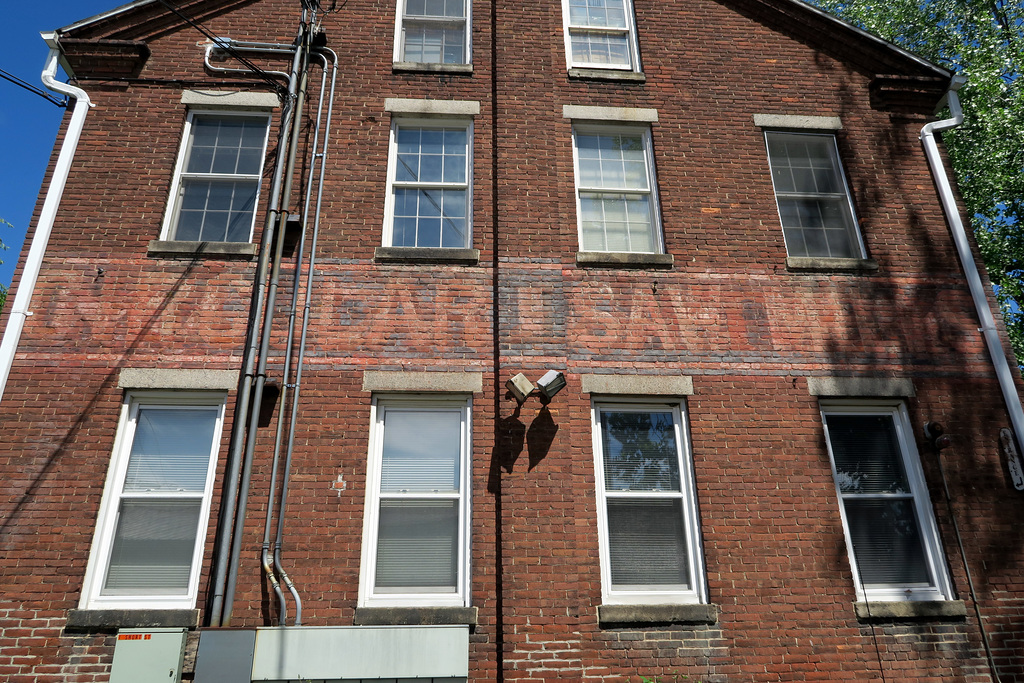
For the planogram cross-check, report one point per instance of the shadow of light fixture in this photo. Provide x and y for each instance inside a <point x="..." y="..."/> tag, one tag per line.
<point x="520" y="387"/>
<point x="551" y="383"/>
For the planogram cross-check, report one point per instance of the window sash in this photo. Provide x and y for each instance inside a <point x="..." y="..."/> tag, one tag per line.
<point x="151" y="527"/>
<point x="200" y="209"/>
<point x="616" y="190"/>
<point x="579" y="30"/>
<point x="891" y="536"/>
<point x="412" y="484"/>
<point x="647" y="521"/>
<point x="435" y="211"/>
<point x="812" y="196"/>
<point x="454" y="32"/>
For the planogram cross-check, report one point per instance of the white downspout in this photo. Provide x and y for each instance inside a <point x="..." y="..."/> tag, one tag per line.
<point x="956" y="226"/>
<point x="34" y="260"/>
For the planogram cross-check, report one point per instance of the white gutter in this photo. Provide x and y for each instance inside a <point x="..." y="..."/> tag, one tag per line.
<point x="956" y="226"/>
<point x="34" y="260"/>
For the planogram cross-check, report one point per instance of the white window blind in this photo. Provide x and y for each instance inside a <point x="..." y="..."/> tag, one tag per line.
<point x="648" y="524"/>
<point x="415" y="542"/>
<point x="891" y="532"/>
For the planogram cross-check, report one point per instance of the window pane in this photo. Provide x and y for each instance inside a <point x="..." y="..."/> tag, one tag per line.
<point x="867" y="454"/>
<point x="600" y="48"/>
<point x="640" y="451"/>
<point x="226" y="144"/>
<point x="886" y="541"/>
<point x="430" y="218"/>
<point x="608" y="13"/>
<point x="421" y="451"/>
<point x="216" y="211"/>
<point x="417" y="544"/>
<point x="647" y="545"/>
<point x="171" y="450"/>
<point x="433" y="44"/>
<point x="616" y="222"/>
<point x="153" y="547"/>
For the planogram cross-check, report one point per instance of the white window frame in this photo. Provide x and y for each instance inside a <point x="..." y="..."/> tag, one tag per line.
<point x="846" y="196"/>
<point x="389" y="203"/>
<point x="170" y="224"/>
<point x="652" y="181"/>
<point x="941" y="587"/>
<point x="399" y="53"/>
<point x="106" y="522"/>
<point x="629" y="31"/>
<point x="368" y="596"/>
<point x="610" y="595"/>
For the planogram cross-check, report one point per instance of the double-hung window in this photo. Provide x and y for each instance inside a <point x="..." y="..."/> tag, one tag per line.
<point x="647" y="516"/>
<point x="153" y="517"/>
<point x="891" y="534"/>
<point x="415" y="533"/>
<point x="616" y="191"/>
<point x="429" y="200"/>
<point x="217" y="180"/>
<point x="432" y="32"/>
<point x="812" y="195"/>
<point x="600" y="34"/>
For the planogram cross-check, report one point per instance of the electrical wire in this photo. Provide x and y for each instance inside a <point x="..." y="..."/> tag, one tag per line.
<point x="264" y="76"/>
<point x="33" y="89"/>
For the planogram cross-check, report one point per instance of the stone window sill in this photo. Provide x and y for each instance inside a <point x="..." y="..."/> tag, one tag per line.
<point x="909" y="610"/>
<point x="431" y="67"/>
<point x="828" y="265"/>
<point x="617" y="259"/>
<point x="608" y="75"/>
<point x="415" y="616"/>
<point x="224" y="250"/>
<point x="626" y="615"/>
<point x="110" y="620"/>
<point x="469" y="257"/>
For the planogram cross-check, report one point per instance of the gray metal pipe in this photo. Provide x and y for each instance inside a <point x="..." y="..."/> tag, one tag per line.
<point x="233" y="467"/>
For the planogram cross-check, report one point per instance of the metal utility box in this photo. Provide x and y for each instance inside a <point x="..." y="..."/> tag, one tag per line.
<point x="148" y="655"/>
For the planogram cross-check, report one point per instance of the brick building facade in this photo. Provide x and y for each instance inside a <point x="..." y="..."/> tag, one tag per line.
<point x="713" y="217"/>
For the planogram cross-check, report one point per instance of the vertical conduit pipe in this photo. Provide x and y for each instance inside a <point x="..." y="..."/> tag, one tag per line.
<point x="302" y="338"/>
<point x="48" y="214"/>
<point x="233" y="467"/>
<point x="275" y="468"/>
<point x="231" y="581"/>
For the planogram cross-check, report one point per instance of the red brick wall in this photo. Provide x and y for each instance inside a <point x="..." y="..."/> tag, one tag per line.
<point x="727" y="313"/>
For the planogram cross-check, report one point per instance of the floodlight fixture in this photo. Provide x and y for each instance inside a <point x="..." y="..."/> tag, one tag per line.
<point x="520" y="387"/>
<point x="551" y="383"/>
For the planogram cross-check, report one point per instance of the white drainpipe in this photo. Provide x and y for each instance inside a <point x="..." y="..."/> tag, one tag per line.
<point x="956" y="226"/>
<point x="34" y="260"/>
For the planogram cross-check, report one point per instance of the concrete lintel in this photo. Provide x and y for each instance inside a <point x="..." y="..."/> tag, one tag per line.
<point x="230" y="99"/>
<point x="910" y="609"/>
<point x="854" y="387"/>
<point x="415" y="616"/>
<point x="638" y="385"/>
<point x="624" y="114"/>
<point x="623" y="259"/>
<point x="398" y="105"/>
<point x="166" y="378"/>
<point x="657" y="614"/>
<point x="797" y="121"/>
<point x="399" y="380"/>
<point x="110" y="620"/>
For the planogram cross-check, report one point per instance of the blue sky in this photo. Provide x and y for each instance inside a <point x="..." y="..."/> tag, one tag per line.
<point x="28" y="123"/>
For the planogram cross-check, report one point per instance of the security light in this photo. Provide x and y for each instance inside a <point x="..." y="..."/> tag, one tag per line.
<point x="520" y="387"/>
<point x="551" y="383"/>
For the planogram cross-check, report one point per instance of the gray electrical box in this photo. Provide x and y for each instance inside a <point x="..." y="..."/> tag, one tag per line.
<point x="148" y="655"/>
